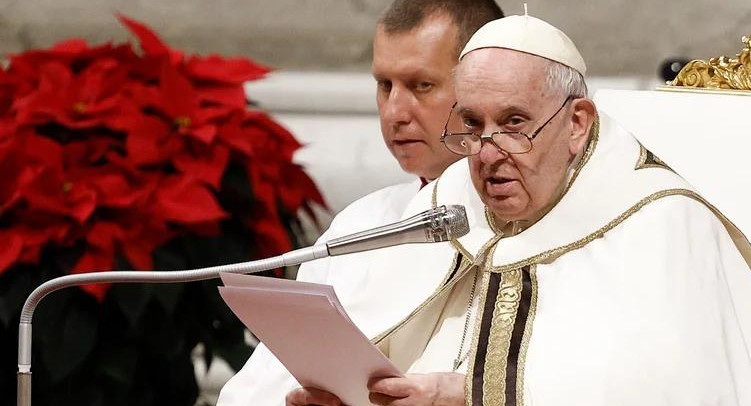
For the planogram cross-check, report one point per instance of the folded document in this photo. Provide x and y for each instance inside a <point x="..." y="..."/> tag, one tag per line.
<point x="305" y="327"/>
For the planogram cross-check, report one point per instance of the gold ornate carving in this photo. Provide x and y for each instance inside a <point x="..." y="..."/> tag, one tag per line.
<point x="718" y="73"/>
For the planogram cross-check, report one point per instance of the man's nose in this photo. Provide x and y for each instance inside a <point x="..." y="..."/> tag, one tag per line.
<point x="398" y="106"/>
<point x="490" y="152"/>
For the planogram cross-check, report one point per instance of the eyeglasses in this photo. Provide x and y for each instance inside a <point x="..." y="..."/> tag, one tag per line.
<point x="513" y="142"/>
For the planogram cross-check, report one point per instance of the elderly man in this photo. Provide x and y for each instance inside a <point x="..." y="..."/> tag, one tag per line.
<point x="592" y="274"/>
<point x="415" y="49"/>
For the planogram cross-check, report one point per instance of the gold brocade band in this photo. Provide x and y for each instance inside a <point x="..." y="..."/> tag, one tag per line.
<point x="500" y="343"/>
<point x="499" y="340"/>
<point x="526" y="336"/>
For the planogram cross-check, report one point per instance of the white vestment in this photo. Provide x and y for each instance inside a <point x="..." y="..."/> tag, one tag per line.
<point x="264" y="381"/>
<point x="631" y="290"/>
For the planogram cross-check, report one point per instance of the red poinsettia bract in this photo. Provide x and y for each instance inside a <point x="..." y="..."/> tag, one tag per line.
<point x="119" y="151"/>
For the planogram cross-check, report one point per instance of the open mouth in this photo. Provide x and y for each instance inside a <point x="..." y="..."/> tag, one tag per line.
<point x="405" y="142"/>
<point x="499" y="186"/>
<point x="499" y="180"/>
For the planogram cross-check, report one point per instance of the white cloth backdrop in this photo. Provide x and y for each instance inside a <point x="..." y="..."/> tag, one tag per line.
<point x="704" y="137"/>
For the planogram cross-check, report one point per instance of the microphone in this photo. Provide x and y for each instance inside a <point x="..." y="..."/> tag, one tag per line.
<point x="442" y="223"/>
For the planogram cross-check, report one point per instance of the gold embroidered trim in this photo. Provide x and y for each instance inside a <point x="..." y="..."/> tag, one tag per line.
<point x="555" y="252"/>
<point x="445" y="285"/>
<point x="464" y="267"/>
<point x="739" y="239"/>
<point x="461" y="249"/>
<point x="454" y="241"/>
<point x="468" y="383"/>
<point x="521" y="362"/>
<point x="594" y="137"/>
<point x="649" y="160"/>
<point x="434" y="195"/>
<point x="453" y="266"/>
<point x="490" y="219"/>
<point x="468" y="260"/>
<point x="499" y="340"/>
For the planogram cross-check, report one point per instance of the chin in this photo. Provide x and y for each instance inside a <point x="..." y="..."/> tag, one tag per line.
<point x="408" y="167"/>
<point x="506" y="209"/>
<point x="411" y="167"/>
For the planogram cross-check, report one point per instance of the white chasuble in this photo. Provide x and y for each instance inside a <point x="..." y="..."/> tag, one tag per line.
<point x="631" y="290"/>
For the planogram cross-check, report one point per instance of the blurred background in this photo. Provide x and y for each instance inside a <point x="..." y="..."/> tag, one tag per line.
<point x="617" y="38"/>
<point x="320" y="50"/>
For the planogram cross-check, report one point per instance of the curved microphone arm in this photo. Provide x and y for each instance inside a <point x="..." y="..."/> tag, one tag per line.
<point x="24" y="328"/>
<point x="435" y="225"/>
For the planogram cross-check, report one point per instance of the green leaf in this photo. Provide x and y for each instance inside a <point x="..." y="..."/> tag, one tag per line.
<point x="50" y="316"/>
<point x="15" y="285"/>
<point x="132" y="300"/>
<point x="170" y="257"/>
<point x="168" y="296"/>
<point x="74" y="344"/>
<point x="119" y="363"/>
<point x="236" y="355"/>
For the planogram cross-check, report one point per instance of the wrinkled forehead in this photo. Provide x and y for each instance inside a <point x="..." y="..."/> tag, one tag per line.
<point x="501" y="73"/>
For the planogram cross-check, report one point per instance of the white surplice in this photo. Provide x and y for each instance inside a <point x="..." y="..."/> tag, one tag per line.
<point x="264" y="381"/>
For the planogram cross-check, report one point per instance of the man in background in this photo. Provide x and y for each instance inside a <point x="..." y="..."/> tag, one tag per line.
<point x="415" y="48"/>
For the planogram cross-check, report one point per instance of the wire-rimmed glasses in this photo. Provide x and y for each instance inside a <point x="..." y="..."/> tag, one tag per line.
<point x="513" y="142"/>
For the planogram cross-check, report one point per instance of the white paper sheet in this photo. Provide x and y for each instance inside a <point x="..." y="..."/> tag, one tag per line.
<point x="306" y="328"/>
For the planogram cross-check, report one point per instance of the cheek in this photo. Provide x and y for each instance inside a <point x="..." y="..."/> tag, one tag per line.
<point x="544" y="175"/>
<point x="475" y="166"/>
<point x="385" y="127"/>
<point x="434" y="111"/>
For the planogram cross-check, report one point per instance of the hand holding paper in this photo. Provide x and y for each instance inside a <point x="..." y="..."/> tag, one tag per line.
<point x="306" y="328"/>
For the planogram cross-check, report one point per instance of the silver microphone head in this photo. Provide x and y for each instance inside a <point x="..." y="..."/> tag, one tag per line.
<point x="458" y="225"/>
<point x="448" y="222"/>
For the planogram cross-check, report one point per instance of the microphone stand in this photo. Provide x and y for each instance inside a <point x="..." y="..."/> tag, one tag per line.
<point x="23" y="397"/>
<point x="434" y="225"/>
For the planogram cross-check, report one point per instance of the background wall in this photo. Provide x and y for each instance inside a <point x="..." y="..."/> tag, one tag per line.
<point x="616" y="37"/>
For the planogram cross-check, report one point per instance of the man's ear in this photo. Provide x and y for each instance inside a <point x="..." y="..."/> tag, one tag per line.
<point x="582" y="119"/>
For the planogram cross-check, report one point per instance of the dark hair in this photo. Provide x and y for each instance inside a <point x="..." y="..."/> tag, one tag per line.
<point x="468" y="16"/>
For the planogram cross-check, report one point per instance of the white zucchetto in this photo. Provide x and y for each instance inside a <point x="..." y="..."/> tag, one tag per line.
<point x="530" y="35"/>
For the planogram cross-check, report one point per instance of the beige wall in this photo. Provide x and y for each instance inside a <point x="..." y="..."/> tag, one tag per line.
<point x="617" y="37"/>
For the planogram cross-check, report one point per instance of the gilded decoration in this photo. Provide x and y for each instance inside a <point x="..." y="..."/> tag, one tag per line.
<point x="718" y="73"/>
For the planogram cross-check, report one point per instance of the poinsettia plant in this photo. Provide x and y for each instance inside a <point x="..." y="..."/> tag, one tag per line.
<point x="123" y="157"/>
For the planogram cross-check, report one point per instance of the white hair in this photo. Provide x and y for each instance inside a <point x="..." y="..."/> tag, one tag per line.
<point x="565" y="80"/>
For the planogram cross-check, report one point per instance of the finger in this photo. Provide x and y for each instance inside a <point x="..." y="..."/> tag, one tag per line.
<point x="394" y="387"/>
<point x="311" y="396"/>
<point x="381" y="399"/>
